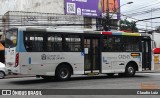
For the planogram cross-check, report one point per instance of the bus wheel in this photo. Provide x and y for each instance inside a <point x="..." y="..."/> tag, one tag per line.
<point x="63" y="72"/>
<point x="2" y="74"/>
<point x="110" y="74"/>
<point x="130" y="70"/>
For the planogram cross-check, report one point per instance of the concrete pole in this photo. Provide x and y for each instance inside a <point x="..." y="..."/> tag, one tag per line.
<point x="153" y="64"/>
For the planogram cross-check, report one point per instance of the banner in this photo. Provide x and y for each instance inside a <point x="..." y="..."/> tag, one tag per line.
<point x="92" y="8"/>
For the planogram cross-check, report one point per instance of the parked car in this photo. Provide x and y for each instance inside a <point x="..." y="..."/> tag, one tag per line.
<point x="3" y="70"/>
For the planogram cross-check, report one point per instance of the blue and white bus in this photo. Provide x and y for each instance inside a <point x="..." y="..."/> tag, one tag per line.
<point x="61" y="53"/>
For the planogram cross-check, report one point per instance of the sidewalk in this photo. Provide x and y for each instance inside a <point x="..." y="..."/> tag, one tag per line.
<point x="149" y="71"/>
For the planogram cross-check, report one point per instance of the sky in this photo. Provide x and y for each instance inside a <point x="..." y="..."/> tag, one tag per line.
<point x="141" y="9"/>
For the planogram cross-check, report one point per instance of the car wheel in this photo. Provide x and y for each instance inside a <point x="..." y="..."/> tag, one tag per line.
<point x="2" y="74"/>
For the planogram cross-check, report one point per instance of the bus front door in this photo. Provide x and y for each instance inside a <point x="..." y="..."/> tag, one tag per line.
<point x="146" y="54"/>
<point x="92" y="55"/>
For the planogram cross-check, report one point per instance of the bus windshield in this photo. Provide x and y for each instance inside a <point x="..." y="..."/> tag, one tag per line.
<point x="11" y="39"/>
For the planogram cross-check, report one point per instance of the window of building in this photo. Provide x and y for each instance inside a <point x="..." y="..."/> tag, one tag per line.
<point x="87" y="22"/>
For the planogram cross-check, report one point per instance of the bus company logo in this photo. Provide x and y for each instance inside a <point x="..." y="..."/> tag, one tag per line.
<point x="124" y="56"/>
<point x="51" y="57"/>
<point x="43" y="57"/>
<point x="104" y="59"/>
<point x="6" y="92"/>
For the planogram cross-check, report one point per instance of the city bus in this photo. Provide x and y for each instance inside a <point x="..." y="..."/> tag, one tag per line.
<point x="60" y="53"/>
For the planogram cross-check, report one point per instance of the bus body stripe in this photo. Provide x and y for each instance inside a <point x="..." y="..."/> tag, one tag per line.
<point x="116" y="33"/>
<point x="121" y="33"/>
<point x="107" y="33"/>
<point x="20" y="45"/>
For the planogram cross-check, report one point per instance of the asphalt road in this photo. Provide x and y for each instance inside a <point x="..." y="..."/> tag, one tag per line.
<point x="140" y="81"/>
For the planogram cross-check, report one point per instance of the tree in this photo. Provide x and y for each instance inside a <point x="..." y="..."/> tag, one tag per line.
<point x="157" y="29"/>
<point x="125" y="25"/>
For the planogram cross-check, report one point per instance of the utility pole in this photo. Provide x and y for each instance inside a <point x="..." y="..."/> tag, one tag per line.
<point x="107" y="25"/>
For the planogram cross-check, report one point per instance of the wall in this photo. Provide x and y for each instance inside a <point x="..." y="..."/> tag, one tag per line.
<point x="157" y="39"/>
<point x="47" y="6"/>
<point x="43" y="6"/>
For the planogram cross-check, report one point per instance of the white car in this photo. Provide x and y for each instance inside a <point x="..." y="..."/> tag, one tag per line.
<point x="3" y="70"/>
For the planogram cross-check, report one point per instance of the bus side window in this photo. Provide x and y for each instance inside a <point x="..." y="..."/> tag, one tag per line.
<point x="34" y="42"/>
<point x="54" y="42"/>
<point x="67" y="47"/>
<point x="28" y="46"/>
<point x="56" y="46"/>
<point x="107" y="44"/>
<point x="73" y="43"/>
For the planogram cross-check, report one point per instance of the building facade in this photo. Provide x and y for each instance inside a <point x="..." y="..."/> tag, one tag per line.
<point x="44" y="6"/>
<point x="92" y="11"/>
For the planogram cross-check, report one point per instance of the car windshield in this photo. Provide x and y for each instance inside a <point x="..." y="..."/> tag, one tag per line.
<point x="11" y="39"/>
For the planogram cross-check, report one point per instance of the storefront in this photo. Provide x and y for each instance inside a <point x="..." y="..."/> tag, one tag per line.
<point x="156" y="55"/>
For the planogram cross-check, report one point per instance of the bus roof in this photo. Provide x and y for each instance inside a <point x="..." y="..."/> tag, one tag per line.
<point x="64" y="30"/>
<point x="73" y="30"/>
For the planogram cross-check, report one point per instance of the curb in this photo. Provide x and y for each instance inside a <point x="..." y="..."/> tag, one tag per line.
<point x="148" y="72"/>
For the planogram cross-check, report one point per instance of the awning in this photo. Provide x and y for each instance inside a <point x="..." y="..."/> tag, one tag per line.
<point x="1" y="47"/>
<point x="156" y="51"/>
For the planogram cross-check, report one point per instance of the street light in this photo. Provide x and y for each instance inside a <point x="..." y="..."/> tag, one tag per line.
<point x="120" y="18"/>
<point x="123" y="5"/>
<point x="106" y="24"/>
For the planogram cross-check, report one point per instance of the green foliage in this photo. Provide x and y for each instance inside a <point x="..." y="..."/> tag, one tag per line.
<point x="157" y="29"/>
<point x="128" y="26"/>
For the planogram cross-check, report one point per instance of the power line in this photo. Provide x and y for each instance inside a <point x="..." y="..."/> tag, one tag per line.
<point x="143" y="12"/>
<point x="137" y="19"/>
<point x="140" y="8"/>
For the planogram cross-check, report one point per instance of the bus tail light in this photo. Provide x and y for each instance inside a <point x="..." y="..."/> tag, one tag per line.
<point x="17" y="60"/>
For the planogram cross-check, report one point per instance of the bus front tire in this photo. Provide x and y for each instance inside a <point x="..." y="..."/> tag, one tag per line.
<point x="130" y="70"/>
<point x="63" y="72"/>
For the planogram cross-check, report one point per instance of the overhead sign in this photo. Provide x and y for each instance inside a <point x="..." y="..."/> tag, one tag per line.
<point x="91" y="8"/>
